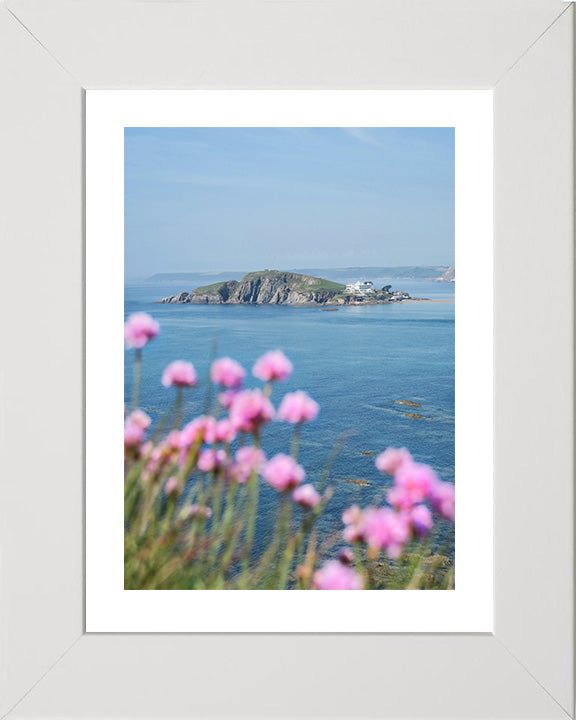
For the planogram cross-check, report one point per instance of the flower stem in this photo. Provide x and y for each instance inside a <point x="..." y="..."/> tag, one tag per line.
<point x="296" y="441"/>
<point x="178" y="408"/>
<point x="137" y="375"/>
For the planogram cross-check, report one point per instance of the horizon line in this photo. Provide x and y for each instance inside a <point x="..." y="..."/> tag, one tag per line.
<point x="345" y="267"/>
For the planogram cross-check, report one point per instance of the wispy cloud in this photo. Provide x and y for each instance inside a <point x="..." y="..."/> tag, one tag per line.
<point x="363" y="136"/>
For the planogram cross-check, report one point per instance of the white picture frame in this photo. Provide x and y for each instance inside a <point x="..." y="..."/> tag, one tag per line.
<point x="55" y="49"/>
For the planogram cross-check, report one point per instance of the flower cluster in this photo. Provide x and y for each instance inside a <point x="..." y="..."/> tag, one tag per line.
<point x="416" y="493"/>
<point x="197" y="470"/>
<point x="135" y="426"/>
<point x="179" y="374"/>
<point x="139" y="329"/>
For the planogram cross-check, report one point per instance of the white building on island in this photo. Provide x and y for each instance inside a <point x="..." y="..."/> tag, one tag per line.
<point x="360" y="287"/>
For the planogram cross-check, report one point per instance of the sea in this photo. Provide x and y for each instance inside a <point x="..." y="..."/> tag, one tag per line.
<point x="361" y="364"/>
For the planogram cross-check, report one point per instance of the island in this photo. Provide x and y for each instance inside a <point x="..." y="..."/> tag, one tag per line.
<point x="278" y="287"/>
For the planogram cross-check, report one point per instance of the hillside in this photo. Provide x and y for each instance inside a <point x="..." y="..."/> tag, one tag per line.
<point x="449" y="275"/>
<point x="297" y="281"/>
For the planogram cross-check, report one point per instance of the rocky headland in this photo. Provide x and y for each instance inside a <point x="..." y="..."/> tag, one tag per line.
<point x="448" y="276"/>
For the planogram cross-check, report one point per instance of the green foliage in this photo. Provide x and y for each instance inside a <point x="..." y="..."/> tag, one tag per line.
<point x="167" y="548"/>
<point x="417" y="570"/>
<point x="304" y="283"/>
<point x="213" y="289"/>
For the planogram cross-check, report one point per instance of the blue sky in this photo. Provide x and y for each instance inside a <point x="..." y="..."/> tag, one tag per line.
<point x="217" y="199"/>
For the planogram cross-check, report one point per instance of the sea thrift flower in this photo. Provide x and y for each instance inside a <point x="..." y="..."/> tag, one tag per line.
<point x="225" y="431"/>
<point x="353" y="519"/>
<point x="248" y="460"/>
<point x="251" y="409"/>
<point x="283" y="473"/>
<point x="199" y="511"/>
<point x="346" y="556"/>
<point x="443" y="499"/>
<point x="421" y="520"/>
<point x="399" y="498"/>
<point x="303" y="573"/>
<point x="336" y="576"/>
<point x="211" y="460"/>
<point x="415" y="480"/>
<point x="139" y="329"/>
<point x="147" y="448"/>
<point x="173" y="440"/>
<point x="226" y="398"/>
<point x="140" y="418"/>
<point x="297" y="407"/>
<point x="179" y="374"/>
<point x="133" y="434"/>
<point x="227" y="372"/>
<point x="201" y="429"/>
<point x="273" y="365"/>
<point x="306" y="496"/>
<point x="171" y="485"/>
<point x="392" y="460"/>
<point x="386" y="530"/>
<point x="155" y="458"/>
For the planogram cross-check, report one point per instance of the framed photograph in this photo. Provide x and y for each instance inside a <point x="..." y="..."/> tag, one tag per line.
<point x="255" y="250"/>
<point x="293" y="195"/>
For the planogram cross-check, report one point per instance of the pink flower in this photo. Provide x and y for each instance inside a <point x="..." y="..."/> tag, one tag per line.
<point x="251" y="409"/>
<point x="392" y="460"/>
<point x="140" y="418"/>
<point x="421" y="520"/>
<point x="199" y="511"/>
<point x="227" y="372"/>
<point x="155" y="458"/>
<point x="225" y="431"/>
<point x="283" y="473"/>
<point x="173" y="440"/>
<point x="399" y="498"/>
<point x="346" y="556"/>
<point x="443" y="499"/>
<point x="353" y="519"/>
<point x="273" y="365"/>
<point x="139" y="329"/>
<point x="179" y="374"/>
<point x="336" y="576"/>
<point x="133" y="434"/>
<point x="249" y="459"/>
<point x="386" y="530"/>
<point x="306" y="496"/>
<point x="171" y="485"/>
<point x="226" y="399"/>
<point x="200" y="430"/>
<point x="297" y="407"/>
<point x="211" y="460"/>
<point x="415" y="480"/>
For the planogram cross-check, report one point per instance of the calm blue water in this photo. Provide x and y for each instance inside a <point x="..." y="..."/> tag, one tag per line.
<point x="356" y="363"/>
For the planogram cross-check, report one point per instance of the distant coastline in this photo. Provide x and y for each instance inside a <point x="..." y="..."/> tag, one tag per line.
<point x="432" y="273"/>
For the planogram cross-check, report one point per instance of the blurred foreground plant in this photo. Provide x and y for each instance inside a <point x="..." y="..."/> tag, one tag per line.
<point x="191" y="496"/>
